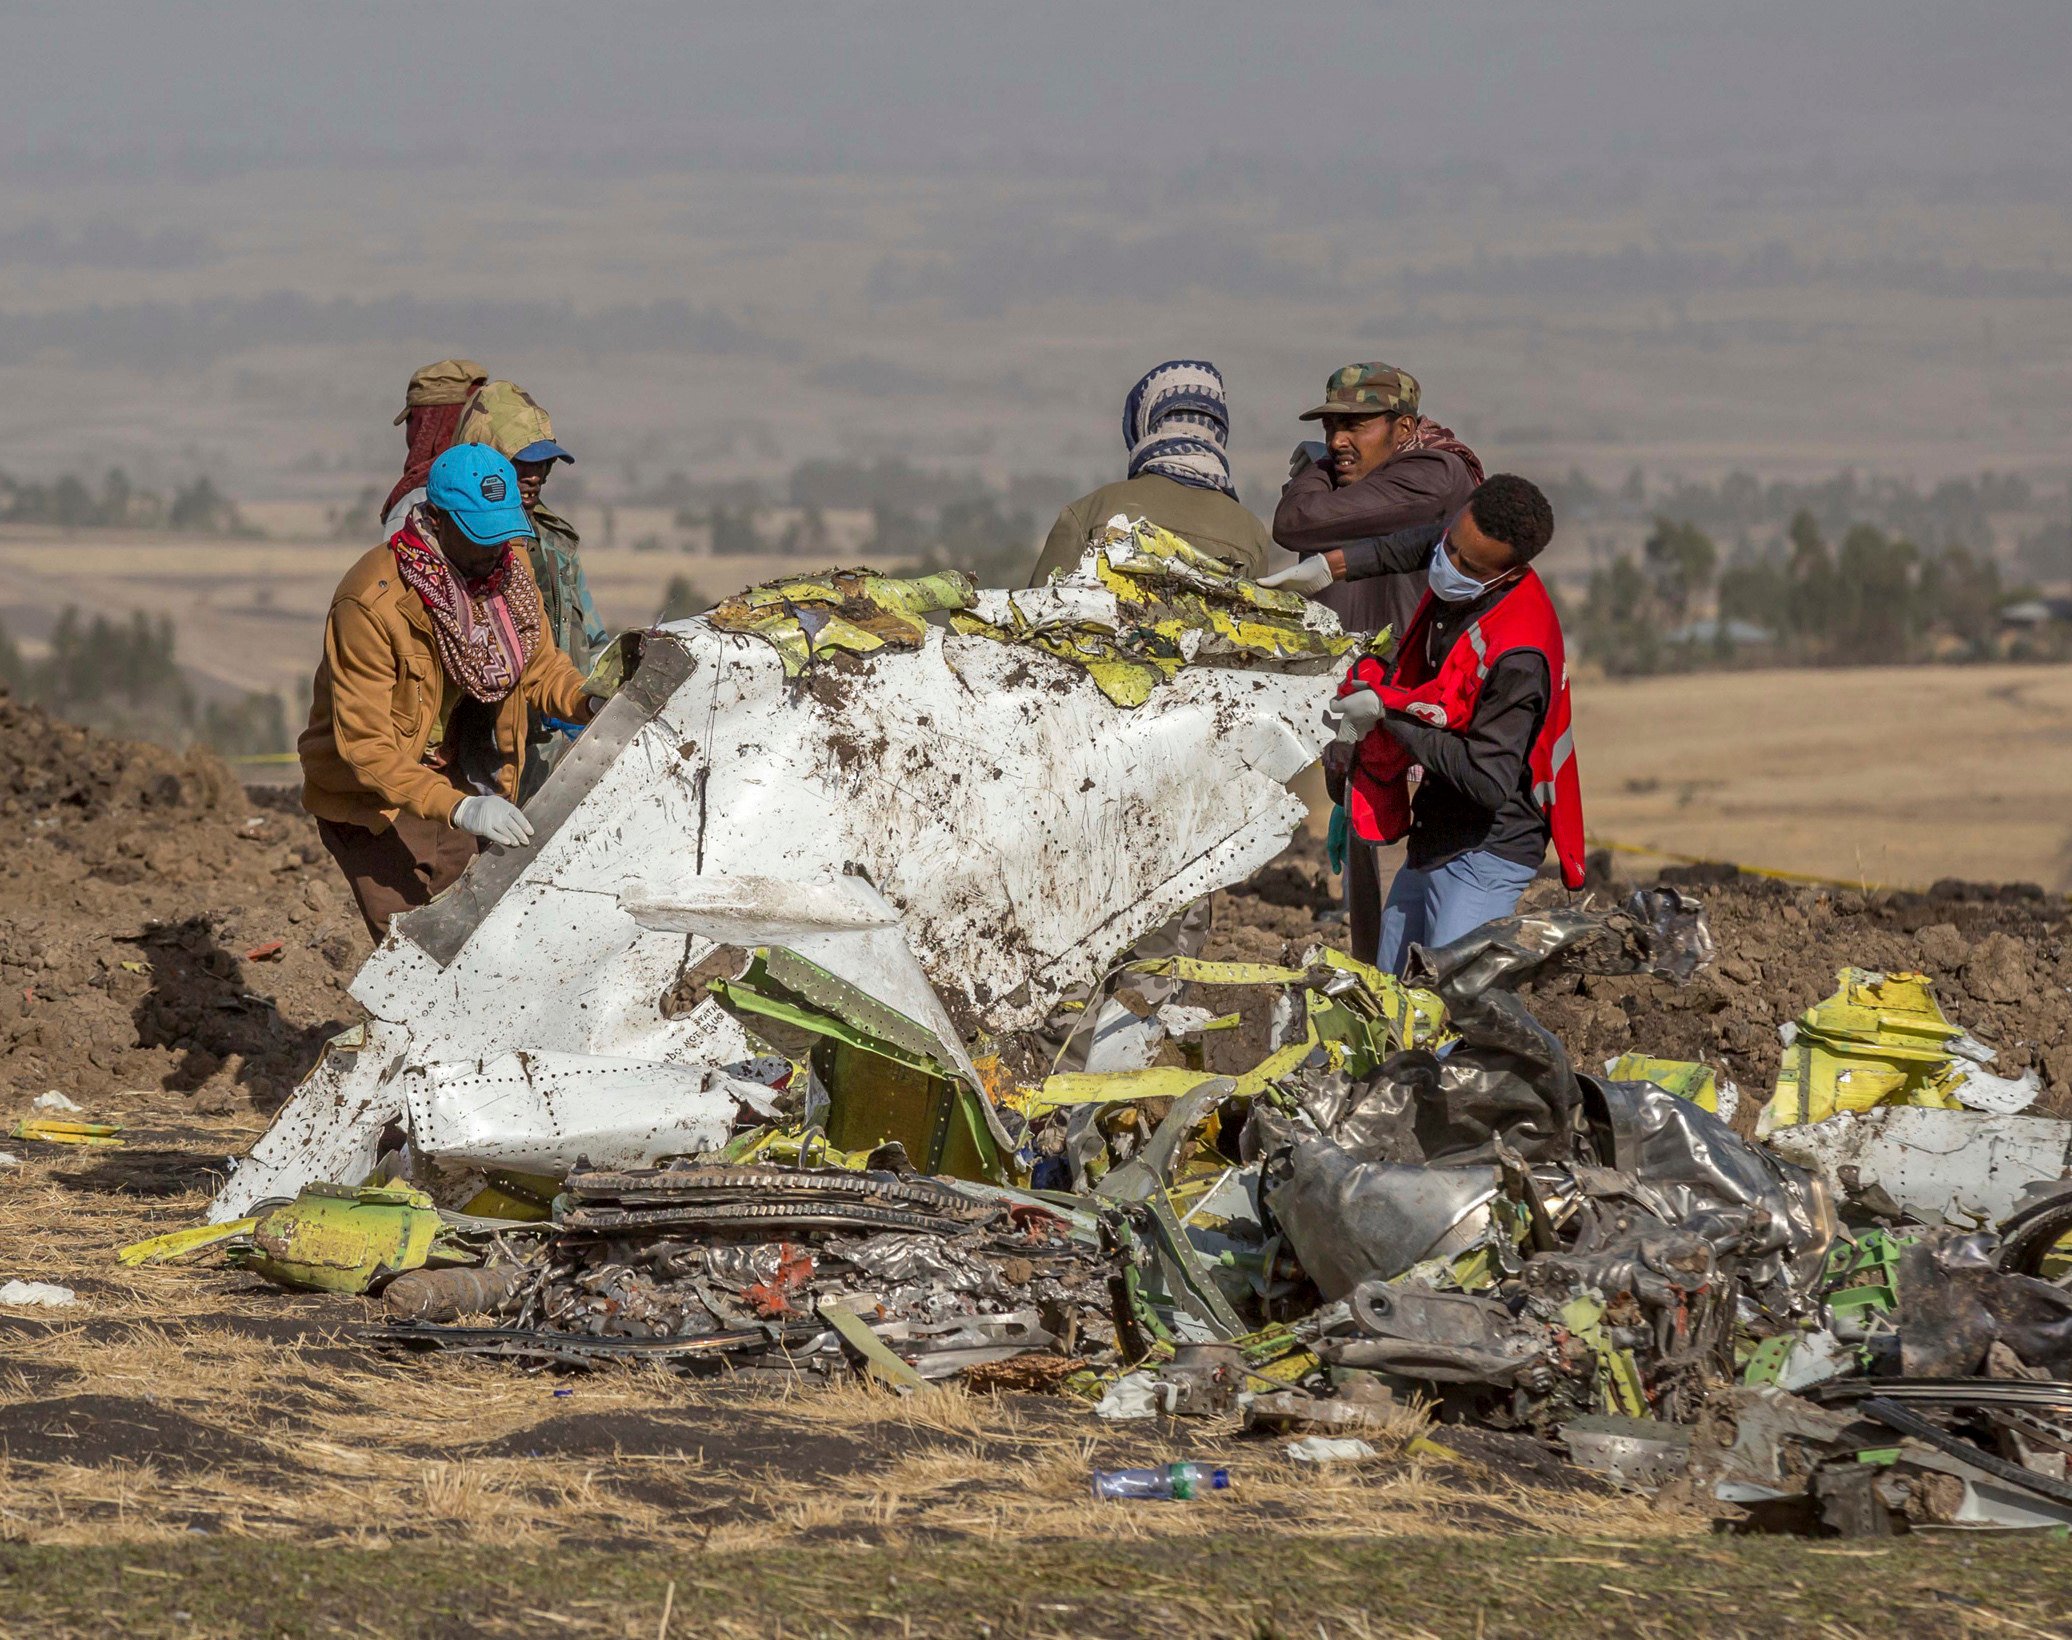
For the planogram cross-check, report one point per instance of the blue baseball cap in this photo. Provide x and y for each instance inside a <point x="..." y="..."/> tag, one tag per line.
<point x="544" y="450"/>
<point x="478" y="489"/>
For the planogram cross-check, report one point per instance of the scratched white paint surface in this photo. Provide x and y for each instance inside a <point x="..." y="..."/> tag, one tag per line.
<point x="1024" y="829"/>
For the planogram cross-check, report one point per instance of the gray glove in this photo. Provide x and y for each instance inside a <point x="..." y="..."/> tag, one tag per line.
<point x="1308" y="576"/>
<point x="1309" y="453"/>
<point x="495" y="819"/>
<point x="1352" y="718"/>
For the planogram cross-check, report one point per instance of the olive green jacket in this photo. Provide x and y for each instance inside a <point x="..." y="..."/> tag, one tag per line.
<point x="1206" y="519"/>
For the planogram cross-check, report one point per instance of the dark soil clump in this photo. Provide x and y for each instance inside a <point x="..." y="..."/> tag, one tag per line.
<point x="137" y="883"/>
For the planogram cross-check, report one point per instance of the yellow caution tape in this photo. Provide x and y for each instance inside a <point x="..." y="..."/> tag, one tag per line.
<point x="1810" y="878"/>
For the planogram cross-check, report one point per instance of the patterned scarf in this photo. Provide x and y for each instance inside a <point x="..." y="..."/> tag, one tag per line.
<point x="487" y="628"/>
<point x="1176" y="422"/>
<point x="1431" y="436"/>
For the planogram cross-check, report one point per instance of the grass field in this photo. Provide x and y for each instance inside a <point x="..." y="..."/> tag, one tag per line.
<point x="1118" y="1582"/>
<point x="1896" y="776"/>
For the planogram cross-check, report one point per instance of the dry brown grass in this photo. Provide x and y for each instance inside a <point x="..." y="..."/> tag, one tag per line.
<point x="184" y="1395"/>
<point x="1893" y="775"/>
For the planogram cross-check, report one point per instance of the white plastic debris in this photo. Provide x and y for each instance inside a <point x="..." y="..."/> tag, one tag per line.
<point x="9" y="1159"/>
<point x="1133" y="1395"/>
<point x="33" y="1293"/>
<point x="54" y="1100"/>
<point x="1322" y="1449"/>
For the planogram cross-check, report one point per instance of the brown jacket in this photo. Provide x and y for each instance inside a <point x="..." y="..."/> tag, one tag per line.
<point x="1207" y="519"/>
<point x="376" y="704"/>
<point x="1417" y="487"/>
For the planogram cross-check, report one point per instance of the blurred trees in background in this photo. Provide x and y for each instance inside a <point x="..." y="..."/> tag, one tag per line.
<point x="125" y="676"/>
<point x="1875" y="599"/>
<point x="70" y="503"/>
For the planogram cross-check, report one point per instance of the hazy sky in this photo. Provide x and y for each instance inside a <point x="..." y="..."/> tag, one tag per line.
<point x="1906" y="84"/>
<point x="728" y="237"/>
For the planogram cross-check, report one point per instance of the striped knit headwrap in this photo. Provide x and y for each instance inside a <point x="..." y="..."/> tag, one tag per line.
<point x="1176" y="422"/>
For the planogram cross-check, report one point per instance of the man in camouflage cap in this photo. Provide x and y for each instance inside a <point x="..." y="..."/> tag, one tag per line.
<point x="1382" y="467"/>
<point x="511" y="421"/>
<point x="432" y="405"/>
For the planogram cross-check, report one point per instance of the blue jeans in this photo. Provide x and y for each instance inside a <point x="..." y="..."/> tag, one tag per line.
<point x="1437" y="906"/>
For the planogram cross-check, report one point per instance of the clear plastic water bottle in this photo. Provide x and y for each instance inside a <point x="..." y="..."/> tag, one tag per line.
<point x="1173" y="1480"/>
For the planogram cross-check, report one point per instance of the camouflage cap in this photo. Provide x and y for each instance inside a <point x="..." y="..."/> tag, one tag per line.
<point x="1367" y="390"/>
<point x="450" y="381"/>
<point x="508" y="419"/>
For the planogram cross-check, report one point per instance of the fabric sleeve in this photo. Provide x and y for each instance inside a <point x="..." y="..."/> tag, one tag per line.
<point x="363" y="684"/>
<point x="551" y="681"/>
<point x="594" y="635"/>
<point x="1484" y="761"/>
<point x="1403" y="553"/>
<point x="1411" y="490"/>
<point x="1062" y="547"/>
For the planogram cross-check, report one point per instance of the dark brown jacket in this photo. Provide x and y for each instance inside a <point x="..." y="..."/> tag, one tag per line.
<point x="378" y="697"/>
<point x="1417" y="487"/>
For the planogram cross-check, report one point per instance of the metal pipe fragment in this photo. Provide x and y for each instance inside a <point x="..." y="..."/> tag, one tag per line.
<point x="446" y="1295"/>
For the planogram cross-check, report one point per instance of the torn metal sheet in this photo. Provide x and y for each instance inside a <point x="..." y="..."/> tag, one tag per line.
<point x="1023" y="826"/>
<point x="1961" y="1165"/>
<point x="1350" y="1221"/>
<point x="1641" y="1454"/>
<point x="539" y="1112"/>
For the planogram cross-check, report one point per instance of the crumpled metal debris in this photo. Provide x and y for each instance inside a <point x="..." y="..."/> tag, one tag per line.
<point x="1882" y="1040"/>
<point x="767" y="1084"/>
<point x="1011" y="827"/>
<point x="1143" y="603"/>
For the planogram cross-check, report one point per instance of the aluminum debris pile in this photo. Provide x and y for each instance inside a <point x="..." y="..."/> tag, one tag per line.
<point x="1543" y="1242"/>
<point x="749" y="1059"/>
<point x="780" y="1266"/>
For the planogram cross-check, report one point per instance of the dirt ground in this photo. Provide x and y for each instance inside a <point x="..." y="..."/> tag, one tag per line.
<point x="184" y="1440"/>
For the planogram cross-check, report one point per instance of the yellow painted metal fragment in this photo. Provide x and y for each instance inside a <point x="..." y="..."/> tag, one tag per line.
<point x="336" y="1239"/>
<point x="1686" y="1078"/>
<point x="1881" y="1039"/>
<point x="176" y="1243"/>
<point x="49" y="1132"/>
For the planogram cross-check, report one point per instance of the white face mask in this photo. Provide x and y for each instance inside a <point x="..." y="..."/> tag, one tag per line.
<point x="1450" y="584"/>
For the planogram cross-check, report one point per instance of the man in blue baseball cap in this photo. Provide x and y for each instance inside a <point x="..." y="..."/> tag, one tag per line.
<point x="436" y="649"/>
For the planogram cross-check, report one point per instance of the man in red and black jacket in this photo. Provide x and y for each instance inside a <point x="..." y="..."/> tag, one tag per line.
<point x="1477" y="696"/>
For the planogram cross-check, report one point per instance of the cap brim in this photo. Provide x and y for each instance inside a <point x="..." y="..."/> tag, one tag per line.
<point x="544" y="450"/>
<point x="1323" y="410"/>
<point x="402" y="416"/>
<point x="493" y="526"/>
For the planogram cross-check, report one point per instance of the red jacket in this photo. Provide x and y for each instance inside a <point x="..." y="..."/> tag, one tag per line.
<point x="1378" y="795"/>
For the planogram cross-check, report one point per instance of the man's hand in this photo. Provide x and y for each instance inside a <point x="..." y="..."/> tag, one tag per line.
<point x="1309" y="453"/>
<point x="1307" y="575"/>
<point x="494" y="819"/>
<point x="1352" y="718"/>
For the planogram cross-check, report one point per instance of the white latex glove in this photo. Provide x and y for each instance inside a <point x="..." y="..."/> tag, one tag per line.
<point x="497" y="819"/>
<point x="1310" y="452"/>
<point x="1351" y="718"/>
<point x="1308" y="576"/>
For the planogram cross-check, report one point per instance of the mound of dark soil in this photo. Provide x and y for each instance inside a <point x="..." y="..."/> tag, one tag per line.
<point x="139" y="890"/>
